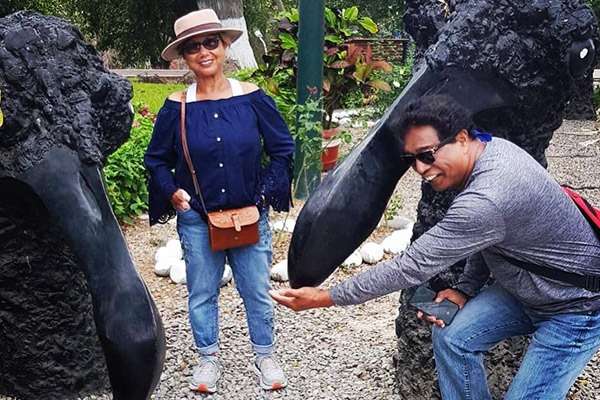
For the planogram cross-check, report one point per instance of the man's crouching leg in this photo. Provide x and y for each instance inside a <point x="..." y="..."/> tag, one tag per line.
<point x="459" y="348"/>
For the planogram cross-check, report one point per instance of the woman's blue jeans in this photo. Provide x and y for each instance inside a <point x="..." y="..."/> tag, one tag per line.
<point x="251" y="269"/>
<point x="560" y="348"/>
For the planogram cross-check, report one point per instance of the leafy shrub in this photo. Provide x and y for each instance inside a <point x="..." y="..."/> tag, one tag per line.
<point x="397" y="79"/>
<point x="346" y="67"/>
<point x="124" y="172"/>
<point x="596" y="98"/>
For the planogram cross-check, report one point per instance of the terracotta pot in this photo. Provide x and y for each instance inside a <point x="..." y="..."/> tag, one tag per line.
<point x="330" y="153"/>
<point x="330" y="133"/>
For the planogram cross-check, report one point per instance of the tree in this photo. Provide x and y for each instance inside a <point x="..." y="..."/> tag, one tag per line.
<point x="231" y="14"/>
<point x="137" y="30"/>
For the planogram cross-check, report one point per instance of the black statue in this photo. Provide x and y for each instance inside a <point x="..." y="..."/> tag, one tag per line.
<point x="514" y="64"/>
<point x="66" y="276"/>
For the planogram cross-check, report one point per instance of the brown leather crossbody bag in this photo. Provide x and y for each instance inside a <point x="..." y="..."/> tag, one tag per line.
<point x="227" y="229"/>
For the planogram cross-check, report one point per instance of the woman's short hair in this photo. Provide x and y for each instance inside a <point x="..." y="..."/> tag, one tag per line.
<point x="441" y="112"/>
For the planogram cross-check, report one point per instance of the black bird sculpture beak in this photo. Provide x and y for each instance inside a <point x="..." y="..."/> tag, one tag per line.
<point x="127" y="321"/>
<point x="346" y="207"/>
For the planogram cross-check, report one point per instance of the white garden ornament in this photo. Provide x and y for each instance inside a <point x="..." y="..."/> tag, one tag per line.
<point x="371" y="252"/>
<point x="279" y="272"/>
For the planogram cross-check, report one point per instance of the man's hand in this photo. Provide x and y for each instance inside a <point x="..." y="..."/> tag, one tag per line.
<point x="180" y="200"/>
<point x="450" y="294"/>
<point x="303" y="298"/>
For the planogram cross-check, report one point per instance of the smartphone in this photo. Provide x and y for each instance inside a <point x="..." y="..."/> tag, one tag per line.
<point x="422" y="299"/>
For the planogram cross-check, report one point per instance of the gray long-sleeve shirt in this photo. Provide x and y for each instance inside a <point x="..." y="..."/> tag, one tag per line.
<point x="510" y="205"/>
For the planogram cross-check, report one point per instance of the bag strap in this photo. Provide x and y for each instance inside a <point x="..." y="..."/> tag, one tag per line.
<point x="236" y="87"/>
<point x="186" y="151"/>
<point x="588" y="282"/>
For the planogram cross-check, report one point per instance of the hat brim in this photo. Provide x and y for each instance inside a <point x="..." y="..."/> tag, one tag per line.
<point x="171" y="52"/>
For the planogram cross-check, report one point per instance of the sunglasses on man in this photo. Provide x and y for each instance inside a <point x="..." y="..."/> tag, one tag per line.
<point x="194" y="46"/>
<point x="428" y="156"/>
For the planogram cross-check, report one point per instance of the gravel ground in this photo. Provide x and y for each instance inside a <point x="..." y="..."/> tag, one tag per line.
<point x="341" y="353"/>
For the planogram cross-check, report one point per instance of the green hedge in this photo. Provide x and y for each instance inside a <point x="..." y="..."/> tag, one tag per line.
<point x="124" y="172"/>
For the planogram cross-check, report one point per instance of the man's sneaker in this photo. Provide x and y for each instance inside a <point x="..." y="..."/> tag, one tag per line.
<point x="206" y="375"/>
<point x="269" y="372"/>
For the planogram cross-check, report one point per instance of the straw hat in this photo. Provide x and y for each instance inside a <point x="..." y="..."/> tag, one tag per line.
<point x="196" y="23"/>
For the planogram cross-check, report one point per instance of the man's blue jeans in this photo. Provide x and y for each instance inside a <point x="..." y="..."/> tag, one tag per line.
<point x="251" y="268"/>
<point x="560" y="348"/>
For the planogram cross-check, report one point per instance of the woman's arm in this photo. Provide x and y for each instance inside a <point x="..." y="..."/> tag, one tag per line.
<point x="276" y="177"/>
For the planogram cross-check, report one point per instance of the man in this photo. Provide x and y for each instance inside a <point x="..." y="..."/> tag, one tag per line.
<point x="508" y="206"/>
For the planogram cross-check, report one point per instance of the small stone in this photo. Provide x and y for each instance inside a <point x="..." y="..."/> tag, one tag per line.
<point x="174" y="248"/>
<point x="371" y="252"/>
<point x="354" y="260"/>
<point x="227" y="275"/>
<point x="162" y="267"/>
<point x="285" y="225"/>
<point x="397" y="242"/>
<point x="177" y="273"/>
<point x="279" y="272"/>
<point x="399" y="222"/>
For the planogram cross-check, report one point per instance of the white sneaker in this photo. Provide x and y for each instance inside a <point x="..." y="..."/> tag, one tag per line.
<point x="270" y="373"/>
<point x="206" y="375"/>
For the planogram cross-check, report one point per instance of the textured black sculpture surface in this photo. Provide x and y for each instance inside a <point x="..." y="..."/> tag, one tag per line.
<point x="514" y="64"/>
<point x="66" y="276"/>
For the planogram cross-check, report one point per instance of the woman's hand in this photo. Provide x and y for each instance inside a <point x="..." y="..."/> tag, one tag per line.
<point x="452" y="295"/>
<point x="303" y="298"/>
<point x="181" y="200"/>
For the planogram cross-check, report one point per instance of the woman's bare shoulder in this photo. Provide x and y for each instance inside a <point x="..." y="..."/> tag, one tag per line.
<point x="176" y="96"/>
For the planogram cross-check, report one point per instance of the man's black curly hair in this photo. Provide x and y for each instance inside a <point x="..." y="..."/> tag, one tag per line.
<point x="441" y="112"/>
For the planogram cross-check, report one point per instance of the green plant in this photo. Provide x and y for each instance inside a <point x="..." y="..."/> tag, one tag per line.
<point x="306" y="134"/>
<point x="394" y="205"/>
<point x="124" y="172"/>
<point x="596" y="98"/>
<point x="397" y="79"/>
<point x="347" y="67"/>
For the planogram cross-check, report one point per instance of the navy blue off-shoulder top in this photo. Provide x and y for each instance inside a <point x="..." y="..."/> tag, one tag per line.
<point x="226" y="138"/>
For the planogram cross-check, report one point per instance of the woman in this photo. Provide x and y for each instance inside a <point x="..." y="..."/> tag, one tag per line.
<point x="229" y="125"/>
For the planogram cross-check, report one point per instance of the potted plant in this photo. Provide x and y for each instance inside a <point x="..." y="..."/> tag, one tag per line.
<point x="346" y="67"/>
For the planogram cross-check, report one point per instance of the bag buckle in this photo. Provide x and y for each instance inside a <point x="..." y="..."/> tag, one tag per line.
<point x="592" y="283"/>
<point x="236" y="222"/>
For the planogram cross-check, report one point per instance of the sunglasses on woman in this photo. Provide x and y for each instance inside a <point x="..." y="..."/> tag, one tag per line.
<point x="194" y="46"/>
<point x="428" y="156"/>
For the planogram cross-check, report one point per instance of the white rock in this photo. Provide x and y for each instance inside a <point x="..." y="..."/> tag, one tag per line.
<point x="227" y="275"/>
<point x="279" y="272"/>
<point x="371" y="252"/>
<point x="286" y="225"/>
<point x="397" y="242"/>
<point x="162" y="254"/>
<point x="354" y="260"/>
<point x="177" y="273"/>
<point x="174" y="247"/>
<point x="399" y="222"/>
<point x="163" y="267"/>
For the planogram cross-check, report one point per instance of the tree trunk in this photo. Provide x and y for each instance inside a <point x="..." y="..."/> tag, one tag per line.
<point x="231" y="13"/>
